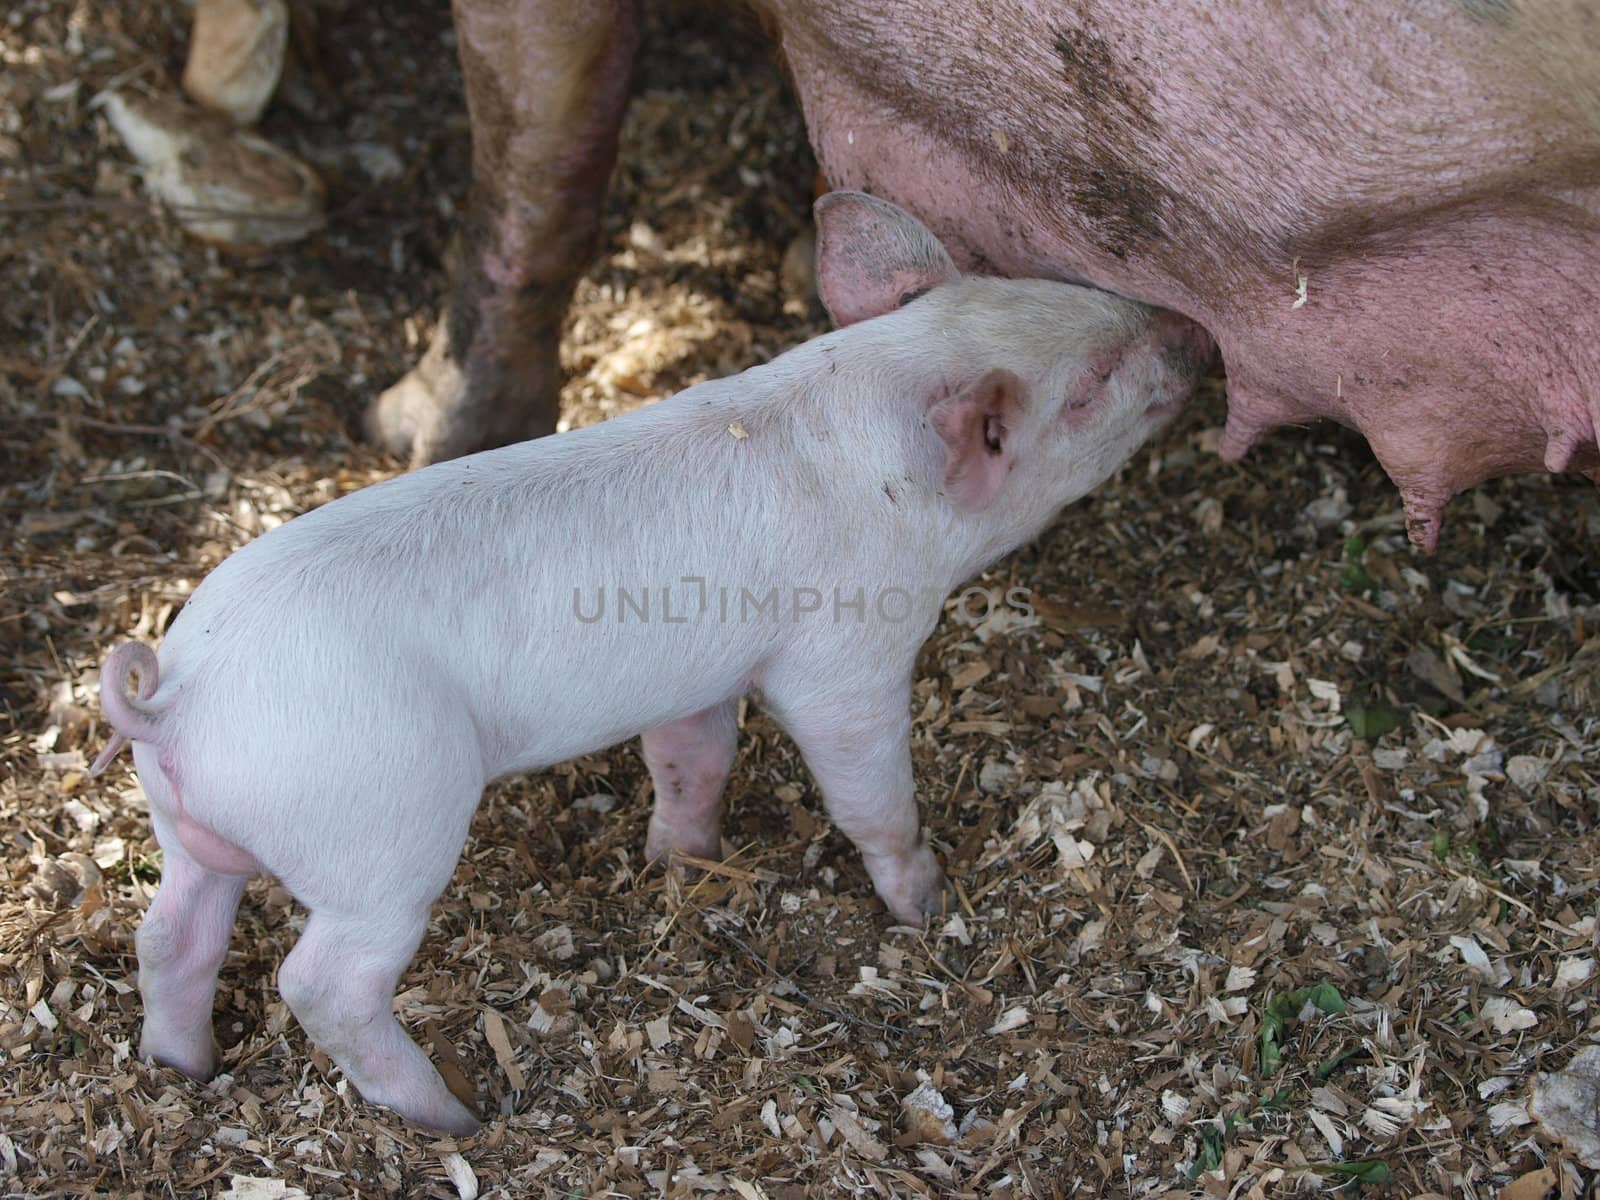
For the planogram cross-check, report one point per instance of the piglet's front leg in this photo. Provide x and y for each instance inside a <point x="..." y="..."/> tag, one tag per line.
<point x="858" y="747"/>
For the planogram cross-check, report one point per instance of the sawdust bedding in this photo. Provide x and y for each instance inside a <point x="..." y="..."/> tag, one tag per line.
<point x="1276" y="843"/>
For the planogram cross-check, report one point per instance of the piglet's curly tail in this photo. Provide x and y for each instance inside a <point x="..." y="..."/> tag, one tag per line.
<point x="132" y="720"/>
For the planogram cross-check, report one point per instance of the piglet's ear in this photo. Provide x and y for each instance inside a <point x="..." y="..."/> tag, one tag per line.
<point x="872" y="257"/>
<point x="979" y="428"/>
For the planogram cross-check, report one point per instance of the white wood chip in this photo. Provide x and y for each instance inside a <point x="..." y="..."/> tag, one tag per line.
<point x="928" y="1115"/>
<point x="1149" y="861"/>
<point x="41" y="1013"/>
<point x="695" y="1012"/>
<point x="1329" y="1131"/>
<point x="1012" y="1018"/>
<point x="1329" y="1100"/>
<point x="1472" y="954"/>
<point x="1325" y="690"/>
<point x="251" y="1187"/>
<point x="862" y="1142"/>
<point x="1526" y="771"/>
<point x="556" y="942"/>
<point x="1382" y="1124"/>
<point x="1090" y="937"/>
<point x="494" y="1028"/>
<point x="1507" y="1016"/>
<point x="956" y="928"/>
<point x="1074" y="853"/>
<point x="1508" y="1114"/>
<point x="1565" y="1102"/>
<point x="1571" y="972"/>
<point x="1174" y="1106"/>
<point x="461" y="1175"/>
<point x="1225" y="1011"/>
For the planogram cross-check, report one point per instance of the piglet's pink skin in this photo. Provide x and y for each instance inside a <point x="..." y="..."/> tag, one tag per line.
<point x="331" y="702"/>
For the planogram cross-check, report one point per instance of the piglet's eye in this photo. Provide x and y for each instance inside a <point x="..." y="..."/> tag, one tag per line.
<point x="907" y="297"/>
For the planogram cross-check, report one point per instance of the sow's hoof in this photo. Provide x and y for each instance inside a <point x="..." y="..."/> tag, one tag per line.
<point x="443" y="409"/>
<point x="236" y="56"/>
<point x="225" y="185"/>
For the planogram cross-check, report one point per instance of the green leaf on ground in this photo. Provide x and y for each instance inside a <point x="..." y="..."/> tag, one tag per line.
<point x="1283" y="1011"/>
<point x="1353" y="575"/>
<point x="1372" y="721"/>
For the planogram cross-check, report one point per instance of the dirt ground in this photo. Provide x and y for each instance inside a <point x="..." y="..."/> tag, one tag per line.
<point x="1276" y="842"/>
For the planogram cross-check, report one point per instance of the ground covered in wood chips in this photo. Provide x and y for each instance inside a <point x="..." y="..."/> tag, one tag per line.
<point x="1276" y="842"/>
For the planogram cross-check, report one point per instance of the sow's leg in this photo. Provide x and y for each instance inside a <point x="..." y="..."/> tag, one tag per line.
<point x="546" y="82"/>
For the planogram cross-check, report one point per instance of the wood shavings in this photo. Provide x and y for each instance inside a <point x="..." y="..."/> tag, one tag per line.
<point x="928" y="1115"/>
<point x="1507" y="1016"/>
<point x="1180" y="705"/>
<point x="461" y="1175"/>
<point x="1566" y="1104"/>
<point x="248" y="1187"/>
<point x="494" y="1029"/>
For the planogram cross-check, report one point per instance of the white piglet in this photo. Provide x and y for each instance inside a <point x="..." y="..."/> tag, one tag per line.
<point x="330" y="703"/>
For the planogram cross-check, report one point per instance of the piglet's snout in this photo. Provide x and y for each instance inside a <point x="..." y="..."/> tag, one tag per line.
<point x="1177" y="353"/>
<point x="1188" y="347"/>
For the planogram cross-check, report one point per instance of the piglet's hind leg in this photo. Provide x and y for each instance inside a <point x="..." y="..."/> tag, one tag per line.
<point x="689" y="761"/>
<point x="181" y="942"/>
<point x="339" y="980"/>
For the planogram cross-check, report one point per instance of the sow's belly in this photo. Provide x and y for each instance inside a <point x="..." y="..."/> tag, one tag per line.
<point x="1385" y="219"/>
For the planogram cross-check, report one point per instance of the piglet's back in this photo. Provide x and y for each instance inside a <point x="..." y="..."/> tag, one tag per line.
<point x="462" y="577"/>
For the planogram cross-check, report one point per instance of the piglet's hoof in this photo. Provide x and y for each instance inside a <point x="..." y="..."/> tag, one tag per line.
<point x="443" y="409"/>
<point x="913" y="885"/>
<point x="446" y="1116"/>
<point x="192" y="1055"/>
<point x="225" y="185"/>
<point x="661" y="845"/>
<point x="934" y="904"/>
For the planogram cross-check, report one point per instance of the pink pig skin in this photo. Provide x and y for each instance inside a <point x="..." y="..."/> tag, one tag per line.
<point x="1387" y="215"/>
<point x="332" y="700"/>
